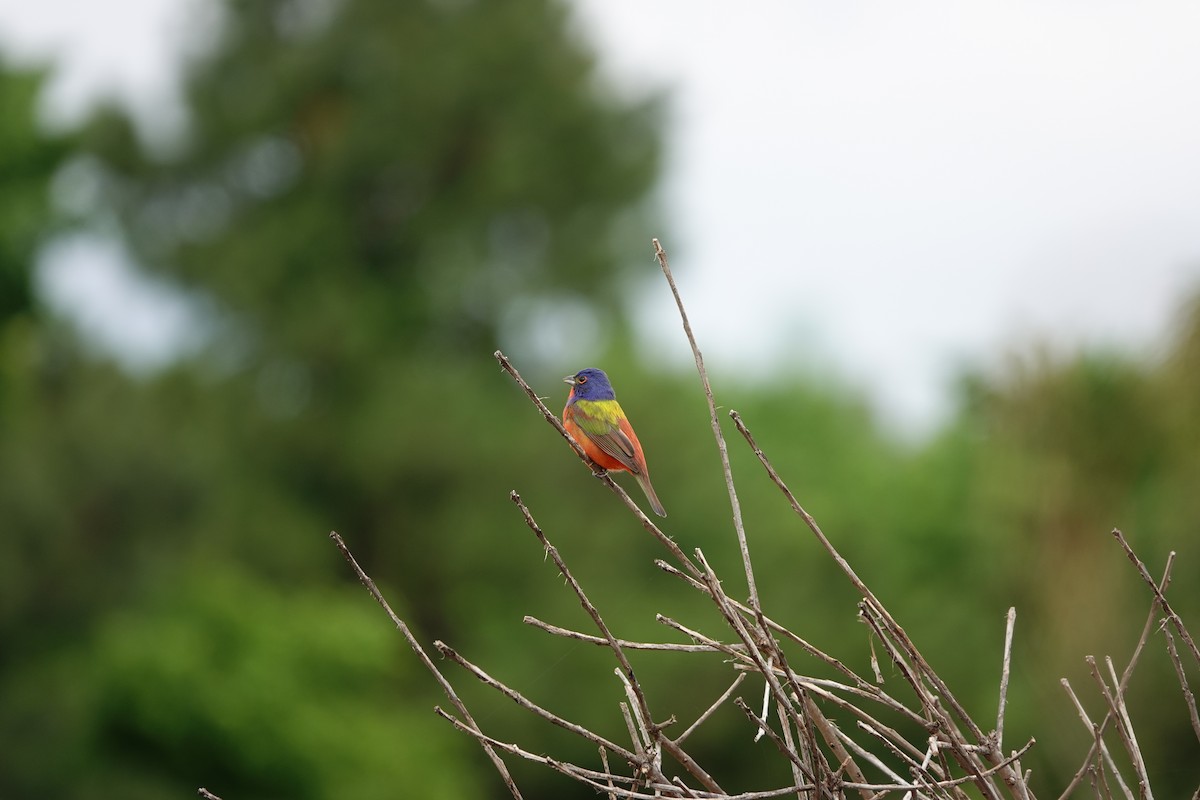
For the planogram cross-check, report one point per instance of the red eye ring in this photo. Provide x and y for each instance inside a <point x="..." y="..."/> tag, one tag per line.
<point x="581" y="379"/>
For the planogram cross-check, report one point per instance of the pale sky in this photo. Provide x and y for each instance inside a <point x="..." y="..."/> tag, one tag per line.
<point x="876" y="192"/>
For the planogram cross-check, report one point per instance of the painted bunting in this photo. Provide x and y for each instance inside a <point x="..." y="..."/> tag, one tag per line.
<point x="595" y="420"/>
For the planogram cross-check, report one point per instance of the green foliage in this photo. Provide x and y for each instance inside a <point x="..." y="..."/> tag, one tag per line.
<point x="27" y="160"/>
<point x="302" y="698"/>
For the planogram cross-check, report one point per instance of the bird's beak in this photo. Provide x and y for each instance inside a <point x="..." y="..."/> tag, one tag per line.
<point x="569" y="379"/>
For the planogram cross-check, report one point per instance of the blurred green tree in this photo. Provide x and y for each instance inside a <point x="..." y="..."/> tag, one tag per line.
<point x="370" y="198"/>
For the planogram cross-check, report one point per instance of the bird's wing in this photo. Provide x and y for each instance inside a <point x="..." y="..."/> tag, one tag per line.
<point x="610" y="431"/>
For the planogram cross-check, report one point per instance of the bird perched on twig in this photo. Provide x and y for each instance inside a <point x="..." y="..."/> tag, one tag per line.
<point x="595" y="420"/>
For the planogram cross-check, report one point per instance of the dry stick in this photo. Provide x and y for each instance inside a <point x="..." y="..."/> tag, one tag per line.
<point x="879" y="728"/>
<point x="1099" y="748"/>
<point x="1188" y="697"/>
<point x="597" y="470"/>
<point x="864" y="687"/>
<point x="601" y="781"/>
<point x="638" y="746"/>
<point x="458" y="704"/>
<point x="814" y="718"/>
<point x="518" y="698"/>
<point x="735" y="505"/>
<point x="736" y="652"/>
<point x="626" y="668"/>
<point x="1004" y="671"/>
<point x="861" y="689"/>
<point x="870" y="615"/>
<point x="789" y="742"/>
<point x="946" y="784"/>
<point x="735" y="621"/>
<point x="607" y="772"/>
<point x="915" y="767"/>
<point x="677" y="781"/>
<point x="789" y="753"/>
<point x="830" y="733"/>
<point x="1139" y="763"/>
<point x="206" y="794"/>
<point x="711" y="709"/>
<point x="1160" y="589"/>
<point x="868" y="756"/>
<point x="969" y="760"/>
<point x="625" y="643"/>
<point x="1162" y="600"/>
<point x="1122" y="730"/>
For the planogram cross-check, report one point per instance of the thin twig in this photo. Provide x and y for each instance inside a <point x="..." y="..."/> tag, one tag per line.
<point x="639" y="696"/>
<point x="965" y="779"/>
<point x="788" y="752"/>
<point x="607" y="772"/>
<point x="864" y="687"/>
<point x="1151" y="619"/>
<point x="1188" y="697"/>
<point x="734" y="504"/>
<point x="641" y="707"/>
<point x="969" y="760"/>
<point x="1116" y="703"/>
<point x="571" y="770"/>
<point x="625" y="643"/>
<point x="1158" y="593"/>
<point x="1099" y="748"/>
<point x="741" y="676"/>
<point x="1004" y="670"/>
<point x="1135" y="753"/>
<point x="206" y="794"/>
<point x="425" y="660"/>
<point x="529" y="705"/>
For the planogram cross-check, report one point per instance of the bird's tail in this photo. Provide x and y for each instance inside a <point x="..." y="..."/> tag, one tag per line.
<point x="644" y="481"/>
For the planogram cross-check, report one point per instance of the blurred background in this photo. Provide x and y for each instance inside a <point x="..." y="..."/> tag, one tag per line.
<point x="254" y="260"/>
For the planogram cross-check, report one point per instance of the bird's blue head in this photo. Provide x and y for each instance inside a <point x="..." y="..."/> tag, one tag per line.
<point x="590" y="384"/>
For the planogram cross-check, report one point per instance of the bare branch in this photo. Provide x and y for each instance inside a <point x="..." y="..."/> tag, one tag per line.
<point x="1160" y="589"/>
<point x="1188" y="697"/>
<point x="424" y="658"/>
<point x="625" y="643"/>
<point x="734" y="504"/>
<point x="1099" y="748"/>
<point x="529" y="705"/>
<point x="1158" y="593"/>
<point x="712" y="709"/>
<point x="1004" y="670"/>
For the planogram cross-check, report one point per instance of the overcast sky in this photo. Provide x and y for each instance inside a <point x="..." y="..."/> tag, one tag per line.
<point x="878" y="192"/>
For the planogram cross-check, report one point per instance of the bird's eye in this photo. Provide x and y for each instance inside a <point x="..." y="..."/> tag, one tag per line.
<point x="581" y="379"/>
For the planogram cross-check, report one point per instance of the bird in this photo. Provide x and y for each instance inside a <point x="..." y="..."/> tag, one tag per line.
<point x="595" y="420"/>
